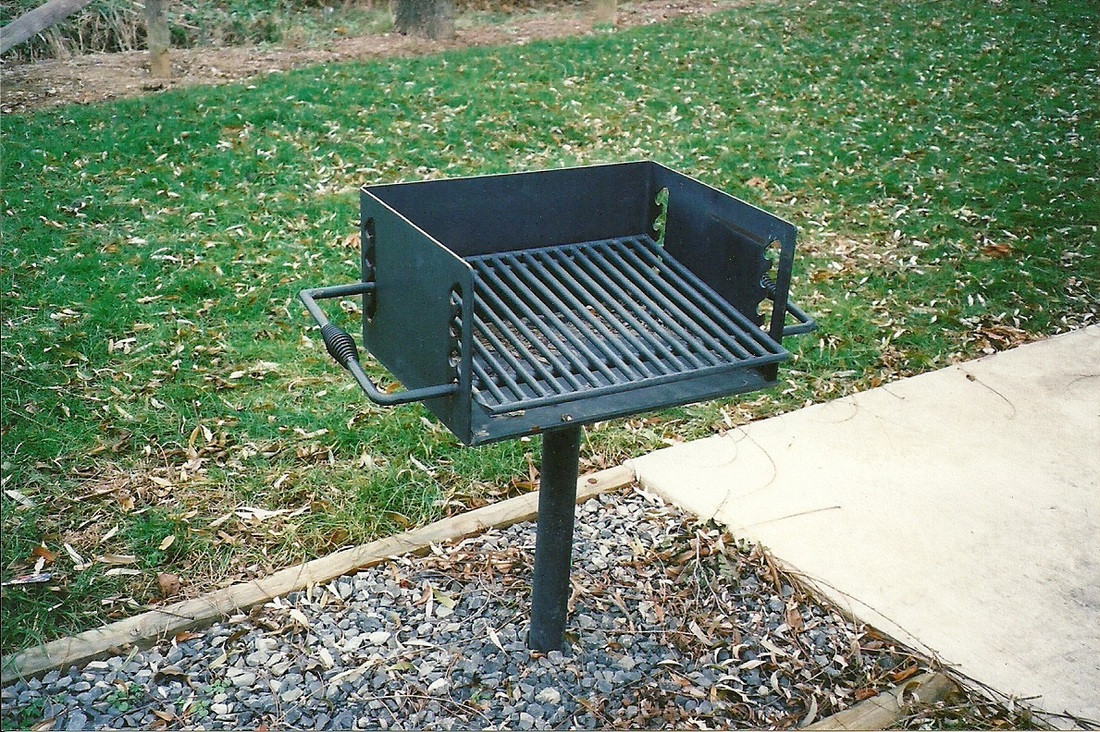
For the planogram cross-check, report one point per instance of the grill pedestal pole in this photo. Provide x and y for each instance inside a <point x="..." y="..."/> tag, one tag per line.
<point x="554" y="538"/>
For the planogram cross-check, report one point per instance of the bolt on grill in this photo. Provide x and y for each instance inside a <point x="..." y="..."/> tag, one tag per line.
<point x="537" y="302"/>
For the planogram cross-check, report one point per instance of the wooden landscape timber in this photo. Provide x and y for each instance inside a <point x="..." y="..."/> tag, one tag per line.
<point x="147" y="628"/>
<point x="888" y="708"/>
<point x="35" y="21"/>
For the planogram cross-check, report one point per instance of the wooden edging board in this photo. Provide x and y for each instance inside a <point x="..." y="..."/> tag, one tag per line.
<point x="886" y="709"/>
<point x="147" y="628"/>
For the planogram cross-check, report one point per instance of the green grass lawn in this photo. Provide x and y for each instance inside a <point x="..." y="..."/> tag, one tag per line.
<point x="161" y="381"/>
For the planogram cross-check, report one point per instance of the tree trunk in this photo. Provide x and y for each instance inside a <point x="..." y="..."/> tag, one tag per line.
<point x="603" y="11"/>
<point x="157" y="38"/>
<point x="433" y="19"/>
<point x="35" y="21"/>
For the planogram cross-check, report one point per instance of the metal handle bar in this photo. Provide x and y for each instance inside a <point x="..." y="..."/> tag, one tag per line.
<point x="805" y="324"/>
<point x="341" y="346"/>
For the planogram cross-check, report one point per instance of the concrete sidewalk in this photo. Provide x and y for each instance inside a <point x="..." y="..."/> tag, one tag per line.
<point x="958" y="511"/>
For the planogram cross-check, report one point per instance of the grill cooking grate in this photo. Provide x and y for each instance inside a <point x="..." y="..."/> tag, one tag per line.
<point x="578" y="320"/>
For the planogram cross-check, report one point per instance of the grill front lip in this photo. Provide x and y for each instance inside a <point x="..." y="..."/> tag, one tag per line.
<point x="558" y="324"/>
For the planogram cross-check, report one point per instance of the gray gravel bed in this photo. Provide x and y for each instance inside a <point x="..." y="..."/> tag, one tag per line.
<point x="672" y="624"/>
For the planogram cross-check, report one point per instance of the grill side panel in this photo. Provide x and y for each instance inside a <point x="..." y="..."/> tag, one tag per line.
<point x="721" y="239"/>
<point x="410" y="325"/>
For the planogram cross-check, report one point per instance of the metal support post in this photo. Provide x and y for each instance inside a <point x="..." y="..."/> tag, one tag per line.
<point x="554" y="538"/>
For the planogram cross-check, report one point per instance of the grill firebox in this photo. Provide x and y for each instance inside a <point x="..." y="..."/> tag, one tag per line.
<point x="538" y="302"/>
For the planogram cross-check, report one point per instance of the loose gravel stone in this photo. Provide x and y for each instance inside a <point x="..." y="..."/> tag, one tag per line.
<point x="243" y="680"/>
<point x="77" y="720"/>
<point x="673" y="626"/>
<point x="549" y="696"/>
<point x="379" y="637"/>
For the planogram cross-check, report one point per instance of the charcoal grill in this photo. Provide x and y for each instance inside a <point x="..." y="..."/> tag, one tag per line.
<point x="537" y="302"/>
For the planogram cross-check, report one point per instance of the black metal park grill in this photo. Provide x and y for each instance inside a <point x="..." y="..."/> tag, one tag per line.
<point x="538" y="302"/>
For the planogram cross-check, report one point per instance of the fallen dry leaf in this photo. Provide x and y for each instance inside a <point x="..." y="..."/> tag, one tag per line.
<point x="898" y="676"/>
<point x="19" y="498"/>
<point x="169" y="584"/>
<point x="122" y="572"/>
<point x="338" y="536"/>
<point x="250" y="513"/>
<point x="811" y="713"/>
<point x="496" y="640"/>
<point x="220" y="520"/>
<point x="170" y="672"/>
<point x="78" y="561"/>
<point x="794" y="618"/>
<point x="997" y="251"/>
<point x="865" y="693"/>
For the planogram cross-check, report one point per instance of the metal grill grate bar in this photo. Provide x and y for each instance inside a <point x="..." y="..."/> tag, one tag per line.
<point x="670" y="314"/>
<point x="496" y="315"/>
<point x="607" y="298"/>
<point x="734" y="323"/>
<point x="580" y="319"/>
<point x="577" y="320"/>
<point x="712" y="331"/>
<point x="553" y="328"/>
<point x="639" y="317"/>
<point x="483" y="357"/>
